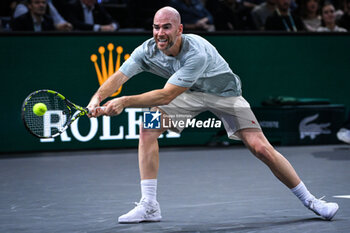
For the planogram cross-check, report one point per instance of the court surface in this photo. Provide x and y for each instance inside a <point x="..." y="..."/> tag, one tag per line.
<point x="199" y="190"/>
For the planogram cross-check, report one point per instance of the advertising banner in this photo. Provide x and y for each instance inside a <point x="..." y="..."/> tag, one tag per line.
<point x="76" y="65"/>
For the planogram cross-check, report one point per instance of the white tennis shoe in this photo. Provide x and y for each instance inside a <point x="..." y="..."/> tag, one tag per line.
<point x="344" y="135"/>
<point x="143" y="212"/>
<point x="323" y="208"/>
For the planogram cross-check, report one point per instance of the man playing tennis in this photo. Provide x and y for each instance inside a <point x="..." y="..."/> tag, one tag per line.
<point x="199" y="79"/>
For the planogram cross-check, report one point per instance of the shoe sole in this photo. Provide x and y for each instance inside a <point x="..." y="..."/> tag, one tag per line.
<point x="140" y="221"/>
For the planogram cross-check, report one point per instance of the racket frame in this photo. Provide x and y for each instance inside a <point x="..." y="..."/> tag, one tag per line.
<point x="80" y="111"/>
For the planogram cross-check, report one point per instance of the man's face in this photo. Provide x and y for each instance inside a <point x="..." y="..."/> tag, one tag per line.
<point x="166" y="30"/>
<point x="38" y="7"/>
<point x="283" y="5"/>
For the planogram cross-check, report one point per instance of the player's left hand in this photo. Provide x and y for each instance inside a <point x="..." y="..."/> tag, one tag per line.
<point x="114" y="107"/>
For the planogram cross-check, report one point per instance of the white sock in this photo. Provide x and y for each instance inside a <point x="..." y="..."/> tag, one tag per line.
<point x="302" y="193"/>
<point x="149" y="190"/>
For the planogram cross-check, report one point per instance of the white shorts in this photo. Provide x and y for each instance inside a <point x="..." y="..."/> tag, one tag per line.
<point x="234" y="112"/>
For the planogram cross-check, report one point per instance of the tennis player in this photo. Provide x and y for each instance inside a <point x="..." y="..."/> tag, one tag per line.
<point x="199" y="79"/>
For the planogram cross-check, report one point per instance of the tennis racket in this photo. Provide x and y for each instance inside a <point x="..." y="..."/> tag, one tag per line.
<point x="60" y="114"/>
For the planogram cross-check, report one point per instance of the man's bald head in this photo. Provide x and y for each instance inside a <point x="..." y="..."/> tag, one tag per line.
<point x="170" y="13"/>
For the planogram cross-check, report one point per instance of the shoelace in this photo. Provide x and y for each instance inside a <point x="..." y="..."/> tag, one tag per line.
<point x="320" y="200"/>
<point x="314" y="203"/>
<point x="142" y="201"/>
<point x="139" y="204"/>
<point x="136" y="208"/>
<point x="317" y="200"/>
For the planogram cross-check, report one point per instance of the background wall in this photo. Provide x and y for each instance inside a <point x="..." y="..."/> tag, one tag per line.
<point x="303" y="65"/>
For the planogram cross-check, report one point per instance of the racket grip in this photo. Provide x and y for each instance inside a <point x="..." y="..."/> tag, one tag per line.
<point x="99" y="107"/>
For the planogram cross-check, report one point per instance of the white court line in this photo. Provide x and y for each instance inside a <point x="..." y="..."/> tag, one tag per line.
<point x="342" y="196"/>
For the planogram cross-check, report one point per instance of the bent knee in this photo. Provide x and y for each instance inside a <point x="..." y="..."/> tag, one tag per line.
<point x="150" y="134"/>
<point x="263" y="151"/>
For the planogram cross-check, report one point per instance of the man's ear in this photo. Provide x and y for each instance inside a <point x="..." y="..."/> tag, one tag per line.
<point x="181" y="27"/>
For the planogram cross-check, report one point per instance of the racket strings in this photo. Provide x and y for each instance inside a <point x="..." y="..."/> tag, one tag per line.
<point x="55" y="118"/>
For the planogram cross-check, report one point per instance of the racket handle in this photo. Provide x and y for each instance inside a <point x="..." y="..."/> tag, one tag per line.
<point x="99" y="107"/>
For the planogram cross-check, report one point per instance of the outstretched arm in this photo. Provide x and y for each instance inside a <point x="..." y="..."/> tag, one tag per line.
<point x="148" y="99"/>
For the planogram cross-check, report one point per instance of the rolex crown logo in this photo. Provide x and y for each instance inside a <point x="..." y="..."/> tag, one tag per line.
<point x="103" y="74"/>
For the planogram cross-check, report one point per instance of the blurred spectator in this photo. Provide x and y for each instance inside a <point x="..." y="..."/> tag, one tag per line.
<point x="194" y="15"/>
<point x="283" y="20"/>
<point x="345" y="18"/>
<point x="20" y="9"/>
<point x="6" y="9"/>
<point x="309" y="12"/>
<point x="35" y="19"/>
<point x="261" y="12"/>
<point x="230" y="15"/>
<point x="88" y="15"/>
<point x="141" y="12"/>
<point x="60" y="23"/>
<point x="328" y="23"/>
<point x="339" y="6"/>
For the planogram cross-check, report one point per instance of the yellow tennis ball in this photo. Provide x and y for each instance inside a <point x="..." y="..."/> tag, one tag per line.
<point x="39" y="109"/>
